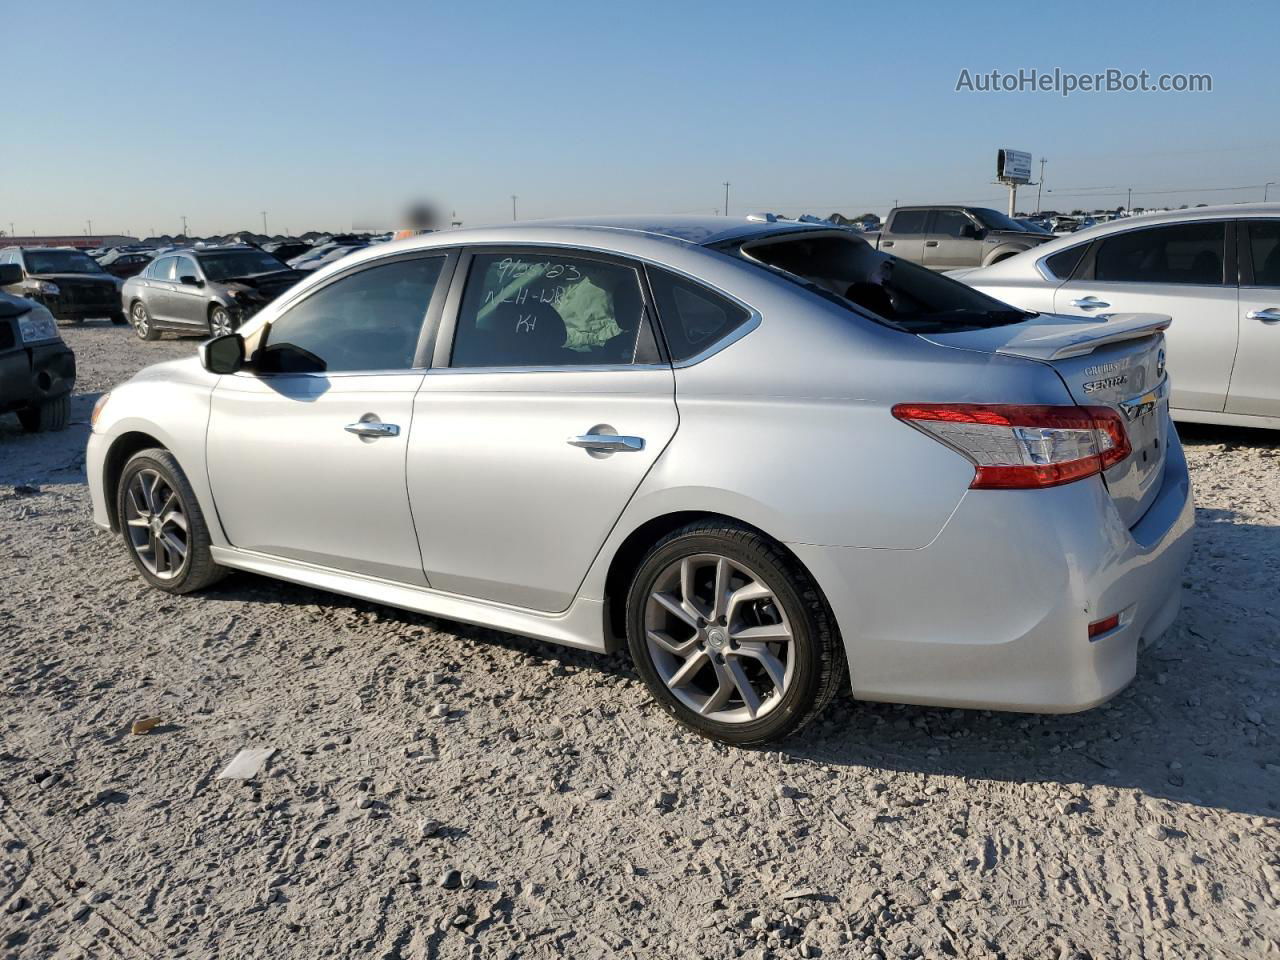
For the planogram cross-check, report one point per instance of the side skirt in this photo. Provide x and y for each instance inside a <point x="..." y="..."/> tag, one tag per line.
<point x="581" y="626"/>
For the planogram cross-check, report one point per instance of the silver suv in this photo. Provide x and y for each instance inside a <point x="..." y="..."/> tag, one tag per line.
<point x="950" y="237"/>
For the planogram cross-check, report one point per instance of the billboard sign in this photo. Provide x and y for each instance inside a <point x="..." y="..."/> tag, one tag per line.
<point x="1013" y="166"/>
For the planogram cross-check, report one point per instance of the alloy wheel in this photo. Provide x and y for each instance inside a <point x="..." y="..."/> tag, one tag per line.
<point x="219" y="322"/>
<point x="719" y="639"/>
<point x="141" y="322"/>
<point x="156" y="524"/>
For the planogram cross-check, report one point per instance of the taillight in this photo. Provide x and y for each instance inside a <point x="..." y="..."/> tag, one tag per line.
<point x="1017" y="446"/>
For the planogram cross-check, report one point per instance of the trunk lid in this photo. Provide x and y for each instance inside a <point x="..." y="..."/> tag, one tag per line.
<point x="1115" y="361"/>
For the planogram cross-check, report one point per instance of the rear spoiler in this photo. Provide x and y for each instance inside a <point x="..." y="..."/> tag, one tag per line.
<point x="1084" y="339"/>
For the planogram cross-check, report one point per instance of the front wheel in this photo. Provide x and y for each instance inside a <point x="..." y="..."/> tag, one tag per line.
<point x="220" y="322"/>
<point x="163" y="525"/>
<point x="731" y="635"/>
<point x="50" y="415"/>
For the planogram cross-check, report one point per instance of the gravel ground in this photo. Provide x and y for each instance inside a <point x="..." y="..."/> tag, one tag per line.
<point x="578" y="820"/>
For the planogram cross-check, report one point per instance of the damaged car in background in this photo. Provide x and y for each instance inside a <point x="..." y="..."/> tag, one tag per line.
<point x="207" y="291"/>
<point x="37" y="370"/>
<point x="69" y="283"/>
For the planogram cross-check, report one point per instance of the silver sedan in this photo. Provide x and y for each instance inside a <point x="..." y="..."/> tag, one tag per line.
<point x="1215" y="270"/>
<point x="768" y="460"/>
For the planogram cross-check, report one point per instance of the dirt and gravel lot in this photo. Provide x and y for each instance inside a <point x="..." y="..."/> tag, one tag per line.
<point x="580" y="822"/>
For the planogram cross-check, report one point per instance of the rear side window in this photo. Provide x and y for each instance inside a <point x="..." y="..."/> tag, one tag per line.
<point x="909" y="221"/>
<point x="1264" y="245"/>
<point x="1181" y="253"/>
<point x="693" y="317"/>
<point x="539" y="311"/>
<point x="1063" y="263"/>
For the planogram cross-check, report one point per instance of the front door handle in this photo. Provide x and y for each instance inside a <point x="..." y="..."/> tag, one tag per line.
<point x="931" y="243"/>
<point x="1090" y="303"/>
<point x="1269" y="315"/>
<point x="372" y="429"/>
<point x="607" y="443"/>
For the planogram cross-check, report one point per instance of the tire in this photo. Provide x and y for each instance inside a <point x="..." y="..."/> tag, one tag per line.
<point x="220" y="323"/>
<point x="143" y="326"/>
<point x="119" y="319"/>
<point x="153" y="485"/>
<point x="49" y="416"/>
<point x="696" y="659"/>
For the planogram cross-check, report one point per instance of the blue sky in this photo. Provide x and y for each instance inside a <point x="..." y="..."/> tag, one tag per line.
<point x="329" y="115"/>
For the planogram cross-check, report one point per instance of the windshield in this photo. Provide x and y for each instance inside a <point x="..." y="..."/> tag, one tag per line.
<point x="240" y="263"/>
<point x="995" y="220"/>
<point x="60" y="261"/>
<point x="848" y="271"/>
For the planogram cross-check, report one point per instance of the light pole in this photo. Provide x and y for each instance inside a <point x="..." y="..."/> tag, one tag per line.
<point x="184" y="225"/>
<point x="726" y="198"/>
<point x="264" y="221"/>
<point x="89" y="224"/>
<point x="11" y="233"/>
<point x="1040" y="185"/>
<point x="1265" y="187"/>
<point x="513" y="207"/>
<point x="1128" y="204"/>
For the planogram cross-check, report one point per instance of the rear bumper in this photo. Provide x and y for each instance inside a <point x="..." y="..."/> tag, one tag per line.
<point x="994" y="613"/>
<point x="34" y="375"/>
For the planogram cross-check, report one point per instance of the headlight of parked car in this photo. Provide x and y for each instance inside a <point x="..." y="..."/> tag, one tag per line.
<point x="44" y="286"/>
<point x="37" y="324"/>
<point x="97" y="408"/>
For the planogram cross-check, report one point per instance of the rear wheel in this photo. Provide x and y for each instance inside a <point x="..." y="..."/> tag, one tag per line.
<point x="162" y="524"/>
<point x="50" y="415"/>
<point x="141" y="320"/>
<point x="220" y="321"/>
<point x="731" y="635"/>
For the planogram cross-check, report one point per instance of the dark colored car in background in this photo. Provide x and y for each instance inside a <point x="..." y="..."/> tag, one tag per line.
<point x="207" y="291"/>
<point x="37" y="370"/>
<point x="69" y="283"/>
<point x="125" y="263"/>
<point x="286" y="250"/>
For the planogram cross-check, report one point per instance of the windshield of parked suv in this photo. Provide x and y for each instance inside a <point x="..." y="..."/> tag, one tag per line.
<point x="60" y="261"/>
<point x="995" y="220"/>
<point x="847" y="270"/>
<point x="238" y="263"/>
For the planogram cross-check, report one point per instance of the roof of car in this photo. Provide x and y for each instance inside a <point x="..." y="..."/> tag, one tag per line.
<point x="1120" y="224"/>
<point x="700" y="230"/>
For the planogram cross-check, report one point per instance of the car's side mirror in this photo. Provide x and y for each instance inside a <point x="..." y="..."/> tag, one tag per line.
<point x="224" y="354"/>
<point x="10" y="273"/>
<point x="191" y="281"/>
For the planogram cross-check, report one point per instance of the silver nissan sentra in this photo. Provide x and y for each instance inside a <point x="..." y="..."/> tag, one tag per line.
<point x="758" y="454"/>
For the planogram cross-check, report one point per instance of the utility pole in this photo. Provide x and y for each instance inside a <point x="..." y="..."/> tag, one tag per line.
<point x="184" y="225"/>
<point x="726" y="198"/>
<point x="1128" y="204"/>
<point x="513" y="207"/>
<point x="11" y="233"/>
<point x="1040" y="185"/>
<point x="90" y="228"/>
<point x="264" y="221"/>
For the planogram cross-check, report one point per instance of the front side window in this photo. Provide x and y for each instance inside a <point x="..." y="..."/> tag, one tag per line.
<point x="61" y="261"/>
<point x="185" y="267"/>
<point x="531" y="310"/>
<point x="1181" y="253"/>
<point x="1264" y="246"/>
<point x="162" y="269"/>
<point x="951" y="223"/>
<point x="368" y="320"/>
<point x="909" y="221"/>
<point x="995" y="220"/>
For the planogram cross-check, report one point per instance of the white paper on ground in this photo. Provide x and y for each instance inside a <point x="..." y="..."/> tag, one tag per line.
<point x="247" y="764"/>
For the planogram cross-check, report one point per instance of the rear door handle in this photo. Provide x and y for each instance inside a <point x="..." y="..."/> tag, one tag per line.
<point x="607" y="443"/>
<point x="1269" y="315"/>
<point x="1089" y="303"/>
<point x="372" y="429"/>
<point x="886" y="243"/>
<point x="931" y="243"/>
